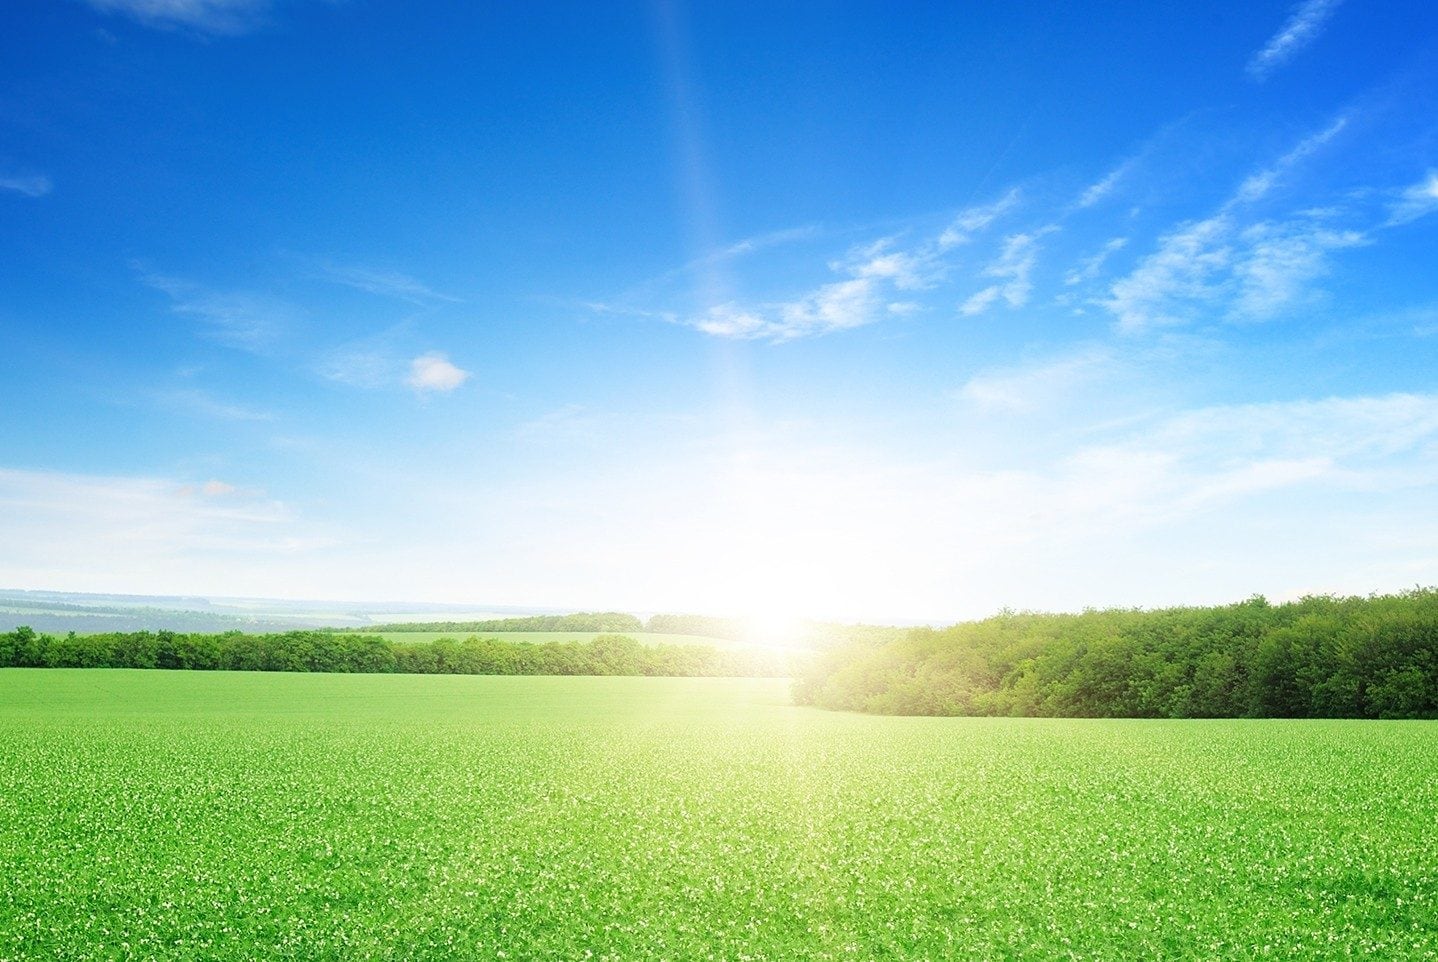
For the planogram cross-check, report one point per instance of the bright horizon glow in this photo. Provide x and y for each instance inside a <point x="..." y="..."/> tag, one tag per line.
<point x="887" y="319"/>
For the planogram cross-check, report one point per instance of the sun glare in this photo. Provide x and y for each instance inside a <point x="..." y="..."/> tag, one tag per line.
<point x="774" y="630"/>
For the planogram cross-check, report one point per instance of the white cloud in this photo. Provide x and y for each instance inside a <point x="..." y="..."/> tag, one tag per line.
<point x="907" y="270"/>
<point x="1415" y="201"/>
<point x="977" y="303"/>
<point x="223" y="17"/>
<point x="434" y="372"/>
<point x="874" y="271"/>
<point x="31" y="185"/>
<point x="731" y="320"/>
<point x="1221" y="268"/>
<point x="1297" y="32"/>
<point x="974" y="219"/>
<point x="1179" y="273"/>
<point x="839" y="306"/>
<point x="1278" y="264"/>
<point x="1013" y="269"/>
<point x="1217" y="270"/>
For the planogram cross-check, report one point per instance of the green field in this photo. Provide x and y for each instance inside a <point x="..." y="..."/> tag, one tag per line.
<point x="197" y="815"/>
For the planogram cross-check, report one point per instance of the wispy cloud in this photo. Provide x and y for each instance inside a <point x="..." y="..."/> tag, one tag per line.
<point x="1102" y="188"/>
<point x="95" y="532"/>
<point x="1416" y="201"/>
<point x="31" y="185"/>
<point x="359" y="365"/>
<point x="1218" y="269"/>
<point x="213" y="488"/>
<point x="972" y="220"/>
<point x="1159" y="471"/>
<point x="1340" y="429"/>
<point x="1259" y="184"/>
<point x="203" y="404"/>
<point x="1227" y="267"/>
<point x="1029" y="387"/>
<point x="1089" y="267"/>
<point x="218" y="17"/>
<point x="824" y="520"/>
<point x="1279" y="262"/>
<point x="758" y="242"/>
<point x="239" y="319"/>
<point x="386" y="283"/>
<point x="840" y="306"/>
<point x="1238" y="263"/>
<point x="1298" y="31"/>
<point x="873" y="275"/>
<point x="1013" y="270"/>
<point x="433" y="372"/>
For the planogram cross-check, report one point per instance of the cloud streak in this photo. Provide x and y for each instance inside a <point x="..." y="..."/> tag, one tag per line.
<point x="217" y="17"/>
<point x="975" y="219"/>
<point x="1101" y="189"/>
<point x="1416" y="201"/>
<point x="1256" y="186"/>
<point x="239" y="319"/>
<point x="1089" y="267"/>
<point x="385" y="283"/>
<point x="1031" y="387"/>
<point x="30" y="185"/>
<point x="1301" y="28"/>
<point x="202" y="404"/>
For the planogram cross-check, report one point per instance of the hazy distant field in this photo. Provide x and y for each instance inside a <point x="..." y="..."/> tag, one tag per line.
<point x="539" y="637"/>
<point x="236" y="816"/>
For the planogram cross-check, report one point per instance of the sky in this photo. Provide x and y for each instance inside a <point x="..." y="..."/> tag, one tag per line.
<point x="857" y="311"/>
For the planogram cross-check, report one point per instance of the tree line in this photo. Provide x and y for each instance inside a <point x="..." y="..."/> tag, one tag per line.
<point x="605" y="621"/>
<point x="1318" y="657"/>
<point x="323" y="651"/>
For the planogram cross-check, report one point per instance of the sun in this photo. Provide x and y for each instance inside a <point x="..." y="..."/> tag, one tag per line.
<point x="773" y="630"/>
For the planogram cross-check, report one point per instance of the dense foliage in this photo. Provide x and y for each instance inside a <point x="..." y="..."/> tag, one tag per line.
<point x="703" y="625"/>
<point x="324" y="651"/>
<point x="616" y="621"/>
<point x="1374" y="657"/>
<point x="238" y="816"/>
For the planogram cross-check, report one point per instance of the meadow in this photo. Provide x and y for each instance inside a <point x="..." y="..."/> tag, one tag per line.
<point x="236" y="815"/>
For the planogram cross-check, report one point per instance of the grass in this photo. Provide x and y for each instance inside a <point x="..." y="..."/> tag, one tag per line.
<point x="237" y="816"/>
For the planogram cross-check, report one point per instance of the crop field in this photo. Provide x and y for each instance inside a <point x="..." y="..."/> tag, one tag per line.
<point x="197" y="815"/>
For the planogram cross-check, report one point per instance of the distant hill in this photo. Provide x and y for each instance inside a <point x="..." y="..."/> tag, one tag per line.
<point x="60" y="612"/>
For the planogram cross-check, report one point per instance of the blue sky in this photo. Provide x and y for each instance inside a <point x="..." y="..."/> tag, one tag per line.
<point x="851" y="310"/>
